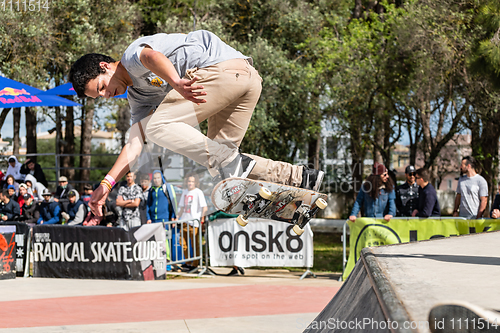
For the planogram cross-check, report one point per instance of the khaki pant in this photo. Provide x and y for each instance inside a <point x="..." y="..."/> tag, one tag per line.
<point x="233" y="88"/>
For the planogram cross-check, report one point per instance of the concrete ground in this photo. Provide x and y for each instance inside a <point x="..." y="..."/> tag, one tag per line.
<point x="259" y="301"/>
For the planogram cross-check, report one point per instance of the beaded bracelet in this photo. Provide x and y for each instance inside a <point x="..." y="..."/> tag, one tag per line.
<point x="106" y="184"/>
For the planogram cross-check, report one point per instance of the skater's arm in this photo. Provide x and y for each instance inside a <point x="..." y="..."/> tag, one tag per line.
<point x="129" y="154"/>
<point x="159" y="64"/>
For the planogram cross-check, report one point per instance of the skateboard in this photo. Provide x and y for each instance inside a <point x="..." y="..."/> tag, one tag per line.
<point x="253" y="198"/>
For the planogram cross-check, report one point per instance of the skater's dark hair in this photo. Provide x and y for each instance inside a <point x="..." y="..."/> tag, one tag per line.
<point x="85" y="69"/>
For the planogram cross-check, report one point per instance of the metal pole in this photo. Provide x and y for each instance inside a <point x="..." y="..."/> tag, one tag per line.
<point x="206" y="269"/>
<point x="344" y="238"/>
<point x="28" y="256"/>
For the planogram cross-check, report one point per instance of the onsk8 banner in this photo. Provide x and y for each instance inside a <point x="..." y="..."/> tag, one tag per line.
<point x="262" y="242"/>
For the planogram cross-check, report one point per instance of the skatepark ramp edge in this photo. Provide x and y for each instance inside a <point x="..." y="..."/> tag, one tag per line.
<point x="366" y="302"/>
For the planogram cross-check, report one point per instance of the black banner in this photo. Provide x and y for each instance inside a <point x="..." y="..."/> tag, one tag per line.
<point x="7" y="252"/>
<point x="99" y="252"/>
<point x="22" y="236"/>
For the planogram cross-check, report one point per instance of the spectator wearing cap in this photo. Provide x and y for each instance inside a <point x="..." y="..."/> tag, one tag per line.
<point x="14" y="169"/>
<point x="407" y="194"/>
<point x="10" y="208"/>
<point x="49" y="209"/>
<point x="23" y="190"/>
<point x="428" y="204"/>
<point x="12" y="192"/>
<point x="29" y="211"/>
<point x="63" y="189"/>
<point x="377" y="195"/>
<point x="77" y="211"/>
<point x="30" y="167"/>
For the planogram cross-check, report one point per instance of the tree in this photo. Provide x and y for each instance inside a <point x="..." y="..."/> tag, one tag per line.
<point x="273" y="34"/>
<point x="484" y="118"/>
<point x="83" y="29"/>
<point x="353" y="57"/>
<point x="26" y="38"/>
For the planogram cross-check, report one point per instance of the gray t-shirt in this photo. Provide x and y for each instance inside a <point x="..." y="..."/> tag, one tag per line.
<point x="199" y="49"/>
<point x="471" y="189"/>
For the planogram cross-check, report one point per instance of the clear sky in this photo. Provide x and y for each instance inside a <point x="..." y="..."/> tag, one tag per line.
<point x="8" y="125"/>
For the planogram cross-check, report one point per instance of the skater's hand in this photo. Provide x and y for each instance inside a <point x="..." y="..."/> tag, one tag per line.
<point x="98" y="199"/>
<point x="186" y="88"/>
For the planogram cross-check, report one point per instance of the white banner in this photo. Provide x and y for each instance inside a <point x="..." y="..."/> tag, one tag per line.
<point x="262" y="242"/>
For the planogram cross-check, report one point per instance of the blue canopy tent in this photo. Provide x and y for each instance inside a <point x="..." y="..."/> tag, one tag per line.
<point x="67" y="89"/>
<point x="15" y="94"/>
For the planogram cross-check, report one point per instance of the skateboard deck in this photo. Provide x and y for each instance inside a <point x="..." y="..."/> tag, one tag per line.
<point x="253" y="198"/>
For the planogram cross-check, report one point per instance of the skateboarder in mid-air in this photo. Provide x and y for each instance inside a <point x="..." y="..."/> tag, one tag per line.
<point x="176" y="81"/>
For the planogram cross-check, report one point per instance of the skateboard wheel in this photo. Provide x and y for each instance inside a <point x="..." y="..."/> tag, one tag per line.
<point x="298" y="230"/>
<point x="241" y="220"/>
<point x="265" y="193"/>
<point x="321" y="203"/>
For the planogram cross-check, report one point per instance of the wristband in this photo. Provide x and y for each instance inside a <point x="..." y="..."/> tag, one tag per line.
<point x="110" y="179"/>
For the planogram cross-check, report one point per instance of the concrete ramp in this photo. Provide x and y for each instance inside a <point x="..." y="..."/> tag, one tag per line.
<point x="393" y="288"/>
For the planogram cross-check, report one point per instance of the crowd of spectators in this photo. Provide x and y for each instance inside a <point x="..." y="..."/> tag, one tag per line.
<point x="417" y="197"/>
<point x="24" y="197"/>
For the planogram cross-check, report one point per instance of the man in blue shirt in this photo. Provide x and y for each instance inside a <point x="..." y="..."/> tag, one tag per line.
<point x="162" y="203"/>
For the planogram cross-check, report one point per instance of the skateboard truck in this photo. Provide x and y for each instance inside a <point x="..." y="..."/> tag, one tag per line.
<point x="304" y="214"/>
<point x="254" y="202"/>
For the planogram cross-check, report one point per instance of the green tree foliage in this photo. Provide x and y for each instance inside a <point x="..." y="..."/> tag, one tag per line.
<point x="483" y="120"/>
<point x="375" y="69"/>
<point x="395" y="67"/>
<point x="273" y="33"/>
<point x="26" y="39"/>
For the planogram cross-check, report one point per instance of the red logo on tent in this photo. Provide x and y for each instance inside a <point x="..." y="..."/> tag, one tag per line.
<point x="13" y="95"/>
<point x="7" y="91"/>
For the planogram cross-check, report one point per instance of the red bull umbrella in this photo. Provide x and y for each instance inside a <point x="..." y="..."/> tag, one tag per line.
<point x="15" y="94"/>
<point x="67" y="89"/>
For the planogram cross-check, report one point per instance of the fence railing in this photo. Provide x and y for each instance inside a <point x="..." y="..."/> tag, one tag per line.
<point x="185" y="242"/>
